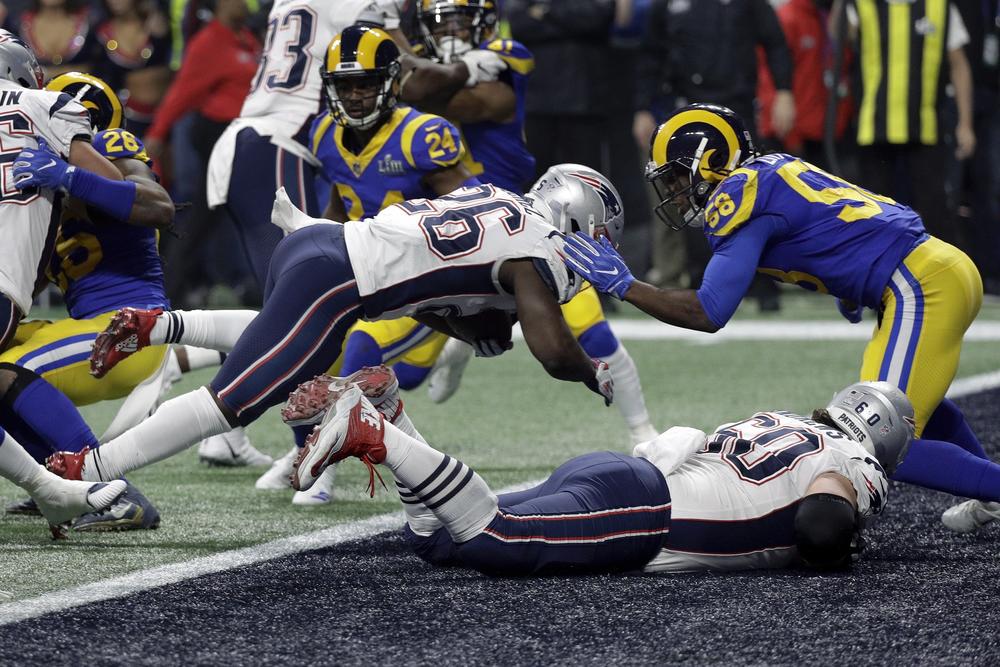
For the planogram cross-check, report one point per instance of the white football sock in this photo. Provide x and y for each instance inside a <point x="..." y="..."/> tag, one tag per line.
<point x="456" y="495"/>
<point x="18" y="466"/>
<point x="214" y="329"/>
<point x="196" y="358"/>
<point x="628" y="395"/>
<point x="421" y="520"/>
<point x="175" y="426"/>
<point x="404" y="424"/>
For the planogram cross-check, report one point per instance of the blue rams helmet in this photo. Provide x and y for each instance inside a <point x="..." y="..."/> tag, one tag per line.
<point x="690" y="154"/>
<point x="96" y="96"/>
<point x="364" y="60"/>
<point x="18" y="63"/>
<point x="451" y="27"/>
<point x="576" y="198"/>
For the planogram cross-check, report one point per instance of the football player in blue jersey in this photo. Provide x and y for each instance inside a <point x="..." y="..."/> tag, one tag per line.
<point x="100" y="263"/>
<point x="787" y="219"/>
<point x="479" y="82"/>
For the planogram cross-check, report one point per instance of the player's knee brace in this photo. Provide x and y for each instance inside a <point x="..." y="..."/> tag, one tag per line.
<point x="599" y="341"/>
<point x="826" y="531"/>
<point x="14" y="379"/>
<point x="361" y="350"/>
<point x="410" y="376"/>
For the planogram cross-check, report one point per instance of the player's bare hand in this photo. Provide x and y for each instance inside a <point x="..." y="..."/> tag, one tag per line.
<point x="965" y="141"/>
<point x="643" y="126"/>
<point x="783" y="112"/>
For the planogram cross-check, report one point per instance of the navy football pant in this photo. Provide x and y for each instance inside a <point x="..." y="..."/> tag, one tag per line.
<point x="10" y="317"/>
<point x="259" y="169"/>
<point x="599" y="512"/>
<point x="310" y="301"/>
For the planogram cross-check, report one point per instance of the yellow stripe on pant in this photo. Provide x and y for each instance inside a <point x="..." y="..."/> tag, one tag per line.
<point x="933" y="297"/>
<point x="59" y="352"/>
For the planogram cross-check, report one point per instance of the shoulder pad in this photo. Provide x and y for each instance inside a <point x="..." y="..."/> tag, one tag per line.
<point x="118" y="143"/>
<point x="731" y="205"/>
<point x="430" y="142"/>
<point x="515" y="54"/>
<point x="319" y="128"/>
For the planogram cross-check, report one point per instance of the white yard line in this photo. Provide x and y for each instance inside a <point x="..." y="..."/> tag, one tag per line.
<point x="649" y="329"/>
<point x="144" y="580"/>
<point x="974" y="384"/>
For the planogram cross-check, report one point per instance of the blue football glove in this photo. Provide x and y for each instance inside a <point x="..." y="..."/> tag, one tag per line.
<point x="599" y="263"/>
<point x="850" y="310"/>
<point x="41" y="168"/>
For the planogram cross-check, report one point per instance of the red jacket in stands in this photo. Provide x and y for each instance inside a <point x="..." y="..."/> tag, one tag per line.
<point x="805" y="30"/>
<point x="214" y="78"/>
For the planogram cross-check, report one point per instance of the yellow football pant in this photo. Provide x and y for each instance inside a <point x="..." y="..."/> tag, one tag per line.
<point x="929" y="303"/>
<point x="60" y="352"/>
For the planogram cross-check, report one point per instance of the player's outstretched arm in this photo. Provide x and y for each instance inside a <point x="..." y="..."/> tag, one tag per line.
<point x="88" y="176"/>
<point x="601" y="265"/>
<point x="546" y="333"/>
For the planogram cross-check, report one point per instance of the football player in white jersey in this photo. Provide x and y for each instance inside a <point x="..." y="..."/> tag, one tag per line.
<point x="267" y="147"/>
<point x="475" y="256"/>
<point x="30" y="118"/>
<point x="770" y="491"/>
<point x="29" y="216"/>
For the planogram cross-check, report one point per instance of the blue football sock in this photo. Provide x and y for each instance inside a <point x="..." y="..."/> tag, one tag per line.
<point x="410" y="376"/>
<point x="361" y="350"/>
<point x="943" y="466"/>
<point x="599" y="341"/>
<point x="301" y="433"/>
<point x="47" y="412"/>
<point x="947" y="423"/>
<point x="18" y="430"/>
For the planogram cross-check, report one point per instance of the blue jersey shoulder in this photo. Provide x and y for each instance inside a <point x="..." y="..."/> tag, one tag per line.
<point x="515" y="54"/>
<point x="430" y="142"/>
<point x="117" y="143"/>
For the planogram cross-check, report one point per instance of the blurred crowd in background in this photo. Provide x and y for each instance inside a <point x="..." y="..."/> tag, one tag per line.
<point x="870" y="90"/>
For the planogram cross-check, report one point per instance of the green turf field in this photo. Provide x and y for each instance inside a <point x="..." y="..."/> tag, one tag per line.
<point x="509" y="421"/>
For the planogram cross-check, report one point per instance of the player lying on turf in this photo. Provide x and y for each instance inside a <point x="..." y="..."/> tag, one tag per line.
<point x="787" y="219"/>
<point x="476" y="252"/>
<point x="765" y="492"/>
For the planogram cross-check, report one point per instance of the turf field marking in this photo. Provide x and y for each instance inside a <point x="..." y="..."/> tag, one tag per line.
<point x="144" y="580"/>
<point x="648" y="329"/>
<point x="974" y="384"/>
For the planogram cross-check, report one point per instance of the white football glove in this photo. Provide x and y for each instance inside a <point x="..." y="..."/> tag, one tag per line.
<point x="483" y="66"/>
<point x="602" y="383"/>
<point x="490" y="347"/>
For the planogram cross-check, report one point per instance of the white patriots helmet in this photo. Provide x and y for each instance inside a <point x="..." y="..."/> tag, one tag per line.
<point x="877" y="415"/>
<point x="576" y="198"/>
<point x="18" y="62"/>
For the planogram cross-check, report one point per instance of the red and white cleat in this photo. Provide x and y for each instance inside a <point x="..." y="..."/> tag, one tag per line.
<point x="68" y="465"/>
<point x="310" y="401"/>
<point x="354" y="427"/>
<point x="127" y="333"/>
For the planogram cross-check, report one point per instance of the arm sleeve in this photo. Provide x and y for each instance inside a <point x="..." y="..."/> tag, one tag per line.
<point x="199" y="73"/>
<point x="772" y="38"/>
<point x="732" y="267"/>
<point x="652" y="59"/>
<point x="68" y="120"/>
